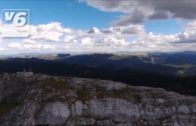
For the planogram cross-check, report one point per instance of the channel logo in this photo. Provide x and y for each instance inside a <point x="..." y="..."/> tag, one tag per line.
<point x="15" y="23"/>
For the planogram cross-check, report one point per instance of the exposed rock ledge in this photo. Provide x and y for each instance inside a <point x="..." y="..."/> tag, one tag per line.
<point x="40" y="100"/>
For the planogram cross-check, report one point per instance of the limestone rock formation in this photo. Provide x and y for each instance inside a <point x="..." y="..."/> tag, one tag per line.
<point x="41" y="100"/>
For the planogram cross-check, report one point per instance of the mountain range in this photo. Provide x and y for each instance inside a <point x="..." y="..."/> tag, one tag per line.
<point x="171" y="71"/>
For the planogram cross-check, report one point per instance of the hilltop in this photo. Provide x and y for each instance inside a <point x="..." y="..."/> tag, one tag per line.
<point x="29" y="99"/>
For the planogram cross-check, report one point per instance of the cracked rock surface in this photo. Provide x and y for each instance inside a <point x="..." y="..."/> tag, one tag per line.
<point x="41" y="100"/>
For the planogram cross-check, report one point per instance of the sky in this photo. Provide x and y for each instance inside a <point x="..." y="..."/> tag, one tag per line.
<point x="84" y="26"/>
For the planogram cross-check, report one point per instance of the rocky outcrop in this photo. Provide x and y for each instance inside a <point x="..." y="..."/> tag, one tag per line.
<point x="55" y="113"/>
<point x="40" y="100"/>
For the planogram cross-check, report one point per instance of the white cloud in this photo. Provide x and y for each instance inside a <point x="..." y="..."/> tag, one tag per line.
<point x="54" y="37"/>
<point x="15" y="45"/>
<point x="29" y="45"/>
<point x="94" y="30"/>
<point x="2" y="49"/>
<point x="49" y="32"/>
<point x="129" y="30"/>
<point x="86" y="41"/>
<point x="189" y="34"/>
<point x="68" y="38"/>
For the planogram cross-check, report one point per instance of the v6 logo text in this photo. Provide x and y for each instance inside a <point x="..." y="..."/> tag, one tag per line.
<point x="15" y="22"/>
<point x="18" y="19"/>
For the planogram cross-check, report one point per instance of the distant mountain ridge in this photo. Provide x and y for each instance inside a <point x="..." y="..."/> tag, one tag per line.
<point x="172" y="71"/>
